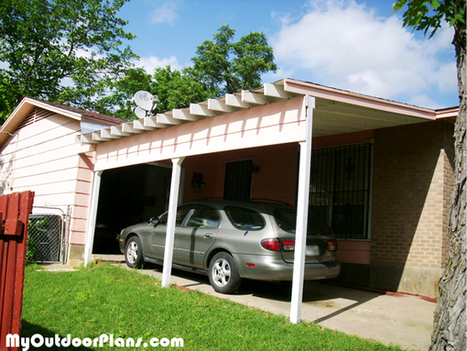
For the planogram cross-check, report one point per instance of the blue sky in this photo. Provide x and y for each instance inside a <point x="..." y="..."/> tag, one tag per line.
<point x="348" y="44"/>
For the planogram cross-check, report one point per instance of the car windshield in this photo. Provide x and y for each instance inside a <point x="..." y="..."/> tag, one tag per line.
<point x="286" y="218"/>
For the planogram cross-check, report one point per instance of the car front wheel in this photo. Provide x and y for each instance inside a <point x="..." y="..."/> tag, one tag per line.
<point x="134" y="253"/>
<point x="223" y="273"/>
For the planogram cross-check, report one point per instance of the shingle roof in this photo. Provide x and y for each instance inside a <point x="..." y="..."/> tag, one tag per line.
<point x="87" y="116"/>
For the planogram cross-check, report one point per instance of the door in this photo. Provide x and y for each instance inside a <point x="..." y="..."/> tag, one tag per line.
<point x="196" y="236"/>
<point x="157" y="233"/>
<point x="237" y="183"/>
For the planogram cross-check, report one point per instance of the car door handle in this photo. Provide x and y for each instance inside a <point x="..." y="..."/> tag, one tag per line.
<point x="207" y="236"/>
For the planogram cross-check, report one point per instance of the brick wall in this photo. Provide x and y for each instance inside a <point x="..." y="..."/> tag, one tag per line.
<point x="410" y="207"/>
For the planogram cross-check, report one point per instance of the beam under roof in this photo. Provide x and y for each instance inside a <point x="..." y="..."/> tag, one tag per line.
<point x="338" y="111"/>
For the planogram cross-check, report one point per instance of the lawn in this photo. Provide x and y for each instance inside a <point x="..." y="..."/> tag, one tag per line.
<point x="105" y="299"/>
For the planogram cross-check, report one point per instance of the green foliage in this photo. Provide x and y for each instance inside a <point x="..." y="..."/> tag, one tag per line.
<point x="427" y="15"/>
<point x="177" y="89"/>
<point x="221" y="66"/>
<point x="109" y="300"/>
<point x="226" y="66"/>
<point x="35" y="228"/>
<point x="32" y="245"/>
<point x="60" y="50"/>
<point x="174" y="88"/>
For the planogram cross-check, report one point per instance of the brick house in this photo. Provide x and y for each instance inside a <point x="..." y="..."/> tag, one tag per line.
<point x="381" y="171"/>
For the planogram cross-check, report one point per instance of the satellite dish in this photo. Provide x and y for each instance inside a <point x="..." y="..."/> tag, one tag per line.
<point x="145" y="100"/>
<point x="139" y="112"/>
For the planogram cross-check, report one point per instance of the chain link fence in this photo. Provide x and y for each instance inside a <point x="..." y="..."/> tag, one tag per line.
<point x="46" y="235"/>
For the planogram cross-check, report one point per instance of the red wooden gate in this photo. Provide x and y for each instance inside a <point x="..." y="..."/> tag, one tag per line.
<point x="14" y="211"/>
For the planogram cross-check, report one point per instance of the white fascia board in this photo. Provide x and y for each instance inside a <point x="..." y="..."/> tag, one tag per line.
<point x="107" y="135"/>
<point x="218" y="105"/>
<point x="201" y="110"/>
<point x="87" y="139"/>
<point x="117" y="131"/>
<point x="184" y="115"/>
<point x="276" y="91"/>
<point x="151" y="123"/>
<point x="96" y="136"/>
<point x="146" y="124"/>
<point x="164" y="118"/>
<point x="55" y="109"/>
<point x="235" y="101"/>
<point x="253" y="98"/>
<point x="128" y="128"/>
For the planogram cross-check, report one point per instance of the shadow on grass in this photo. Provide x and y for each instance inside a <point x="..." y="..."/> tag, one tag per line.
<point x="29" y="330"/>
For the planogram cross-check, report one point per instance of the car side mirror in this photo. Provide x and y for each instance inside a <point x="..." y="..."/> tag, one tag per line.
<point x="154" y="220"/>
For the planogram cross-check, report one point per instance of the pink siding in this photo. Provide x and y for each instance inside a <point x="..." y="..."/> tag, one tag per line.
<point x="276" y="178"/>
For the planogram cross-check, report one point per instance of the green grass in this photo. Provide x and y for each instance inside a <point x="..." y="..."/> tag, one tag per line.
<point x="108" y="300"/>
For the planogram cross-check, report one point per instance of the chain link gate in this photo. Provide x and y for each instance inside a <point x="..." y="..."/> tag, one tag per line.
<point x="46" y="238"/>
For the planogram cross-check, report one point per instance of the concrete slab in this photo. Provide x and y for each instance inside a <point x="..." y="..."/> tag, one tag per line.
<point x="403" y="320"/>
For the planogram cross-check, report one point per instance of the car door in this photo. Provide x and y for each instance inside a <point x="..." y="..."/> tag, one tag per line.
<point x="158" y="234"/>
<point x="196" y="236"/>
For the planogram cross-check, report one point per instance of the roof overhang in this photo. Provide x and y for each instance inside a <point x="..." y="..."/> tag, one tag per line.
<point x="23" y="109"/>
<point x="337" y="111"/>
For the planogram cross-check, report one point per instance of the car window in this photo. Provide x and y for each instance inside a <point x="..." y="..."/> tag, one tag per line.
<point x="182" y="212"/>
<point x="286" y="219"/>
<point x="245" y="218"/>
<point x="204" y="217"/>
<point x="163" y="219"/>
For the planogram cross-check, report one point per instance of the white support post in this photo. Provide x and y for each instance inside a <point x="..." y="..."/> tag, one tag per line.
<point x="302" y="215"/>
<point x="91" y="225"/>
<point x="172" y="215"/>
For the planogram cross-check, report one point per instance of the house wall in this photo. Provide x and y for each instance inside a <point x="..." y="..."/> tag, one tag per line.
<point x="411" y="194"/>
<point x="42" y="156"/>
<point x="276" y="178"/>
<point x="412" y="185"/>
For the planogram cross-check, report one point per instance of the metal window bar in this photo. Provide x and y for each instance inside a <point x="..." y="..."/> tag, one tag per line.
<point x="340" y="189"/>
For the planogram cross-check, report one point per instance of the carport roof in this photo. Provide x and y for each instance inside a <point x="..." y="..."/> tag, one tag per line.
<point x="337" y="111"/>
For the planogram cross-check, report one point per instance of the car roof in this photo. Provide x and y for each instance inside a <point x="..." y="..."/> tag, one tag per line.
<point x="260" y="205"/>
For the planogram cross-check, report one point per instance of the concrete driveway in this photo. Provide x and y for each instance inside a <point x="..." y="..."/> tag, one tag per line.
<point x="402" y="320"/>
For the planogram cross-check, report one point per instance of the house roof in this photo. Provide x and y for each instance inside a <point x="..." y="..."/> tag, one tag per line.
<point x="337" y="111"/>
<point x="27" y="105"/>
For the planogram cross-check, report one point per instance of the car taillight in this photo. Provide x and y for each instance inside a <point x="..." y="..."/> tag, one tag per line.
<point x="288" y="245"/>
<point x="271" y="244"/>
<point x="278" y="245"/>
<point x="332" y="245"/>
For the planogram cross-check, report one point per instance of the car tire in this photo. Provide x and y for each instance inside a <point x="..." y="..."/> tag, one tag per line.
<point x="134" y="253"/>
<point x="223" y="273"/>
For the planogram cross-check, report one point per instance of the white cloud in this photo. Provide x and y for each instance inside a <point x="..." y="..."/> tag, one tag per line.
<point x="346" y="45"/>
<point x="150" y="63"/>
<point x="167" y="13"/>
<point x="423" y="100"/>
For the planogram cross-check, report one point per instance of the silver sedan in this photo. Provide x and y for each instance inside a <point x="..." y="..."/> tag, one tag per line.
<point x="230" y="240"/>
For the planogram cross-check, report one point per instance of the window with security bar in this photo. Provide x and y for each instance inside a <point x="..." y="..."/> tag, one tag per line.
<point x="340" y="189"/>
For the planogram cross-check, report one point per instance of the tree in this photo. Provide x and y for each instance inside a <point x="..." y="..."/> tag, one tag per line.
<point x="220" y="67"/>
<point x="226" y="66"/>
<point x="449" y="327"/>
<point x="174" y="88"/>
<point x="65" y="51"/>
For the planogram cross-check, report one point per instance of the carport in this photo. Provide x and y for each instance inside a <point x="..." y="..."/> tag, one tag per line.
<point x="287" y="111"/>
